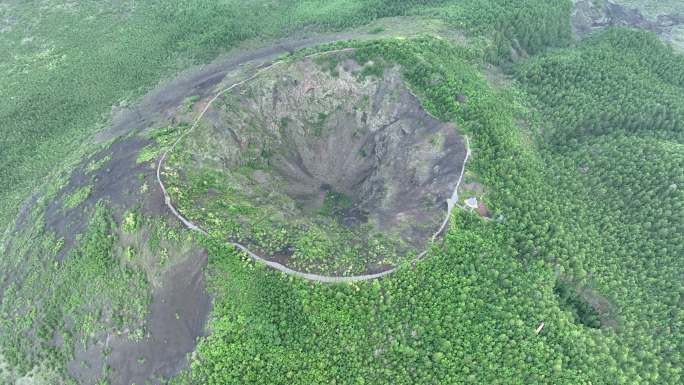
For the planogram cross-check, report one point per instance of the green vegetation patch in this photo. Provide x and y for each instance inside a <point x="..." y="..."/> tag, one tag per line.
<point x="161" y="138"/>
<point x="335" y="204"/>
<point x="148" y="153"/>
<point x="77" y="197"/>
<point x="97" y="164"/>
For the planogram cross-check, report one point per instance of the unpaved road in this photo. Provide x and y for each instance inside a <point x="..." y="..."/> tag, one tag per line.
<point x="451" y="202"/>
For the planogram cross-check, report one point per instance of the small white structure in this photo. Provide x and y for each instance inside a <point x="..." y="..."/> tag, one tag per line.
<point x="471" y="202"/>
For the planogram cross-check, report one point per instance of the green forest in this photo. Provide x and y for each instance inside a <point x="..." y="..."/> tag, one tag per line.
<point x="577" y="277"/>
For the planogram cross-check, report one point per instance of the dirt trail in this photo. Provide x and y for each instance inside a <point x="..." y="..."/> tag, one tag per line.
<point x="451" y="202"/>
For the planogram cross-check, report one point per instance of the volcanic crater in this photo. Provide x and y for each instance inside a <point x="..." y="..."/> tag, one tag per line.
<point x="328" y="164"/>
